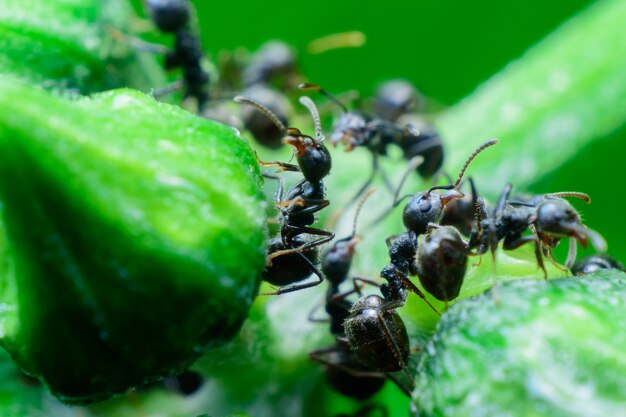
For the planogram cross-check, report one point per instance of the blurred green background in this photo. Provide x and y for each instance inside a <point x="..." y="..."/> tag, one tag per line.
<point x="446" y="47"/>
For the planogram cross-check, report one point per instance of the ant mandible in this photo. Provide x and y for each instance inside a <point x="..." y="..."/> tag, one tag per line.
<point x="290" y="257"/>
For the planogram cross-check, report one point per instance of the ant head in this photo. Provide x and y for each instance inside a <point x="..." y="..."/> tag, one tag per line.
<point x="313" y="157"/>
<point x="349" y="128"/>
<point x="427" y="207"/>
<point x="169" y="15"/>
<point x="557" y="218"/>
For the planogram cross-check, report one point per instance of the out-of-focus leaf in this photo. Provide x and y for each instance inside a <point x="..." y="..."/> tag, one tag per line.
<point x="132" y="236"/>
<point x="71" y="45"/>
<point x="552" y="349"/>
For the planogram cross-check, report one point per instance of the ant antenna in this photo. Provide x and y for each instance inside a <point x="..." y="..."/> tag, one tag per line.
<point x="265" y="110"/>
<point x="308" y="86"/>
<point x="309" y="104"/>
<point x="474" y="154"/>
<point x="358" y="209"/>
<point x="574" y="194"/>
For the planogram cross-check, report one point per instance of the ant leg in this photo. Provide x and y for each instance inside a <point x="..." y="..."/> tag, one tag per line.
<point x="571" y="254"/>
<point x="413" y="163"/>
<point x="413" y="288"/>
<point x="368" y="182"/>
<point x="548" y="253"/>
<point x="514" y="243"/>
<point x="168" y="89"/>
<point x="328" y="236"/>
<point x="298" y="287"/>
<point x="319" y="357"/>
<point x="506" y="193"/>
<point x="313" y="319"/>
<point x="282" y="166"/>
<point x="393" y="344"/>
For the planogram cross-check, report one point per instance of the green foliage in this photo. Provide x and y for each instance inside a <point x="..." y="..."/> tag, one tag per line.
<point x="540" y="350"/>
<point x="124" y="223"/>
<point x="86" y="174"/>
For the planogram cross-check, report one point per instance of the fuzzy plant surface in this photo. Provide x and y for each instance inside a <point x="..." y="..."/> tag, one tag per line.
<point x="116" y="221"/>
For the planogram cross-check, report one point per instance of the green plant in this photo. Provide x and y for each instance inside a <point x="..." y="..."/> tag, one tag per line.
<point x="265" y="371"/>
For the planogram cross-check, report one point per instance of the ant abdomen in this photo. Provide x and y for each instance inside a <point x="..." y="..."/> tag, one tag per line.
<point x="442" y="262"/>
<point x="292" y="267"/>
<point x="377" y="336"/>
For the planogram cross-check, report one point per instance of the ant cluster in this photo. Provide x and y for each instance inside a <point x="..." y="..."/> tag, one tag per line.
<point x="443" y="225"/>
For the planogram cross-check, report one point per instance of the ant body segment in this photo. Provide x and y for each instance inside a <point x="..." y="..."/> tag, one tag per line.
<point x="356" y="129"/>
<point x="344" y="372"/>
<point x="291" y="258"/>
<point x="442" y="262"/>
<point x="548" y="216"/>
<point x="173" y="16"/>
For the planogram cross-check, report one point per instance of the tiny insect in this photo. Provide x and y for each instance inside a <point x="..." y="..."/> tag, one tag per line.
<point x="264" y="131"/>
<point x="395" y="98"/>
<point x="344" y="371"/>
<point x="173" y="16"/>
<point x="355" y="129"/>
<point x="291" y="257"/>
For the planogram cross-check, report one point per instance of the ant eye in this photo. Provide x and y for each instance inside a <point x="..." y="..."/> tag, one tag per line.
<point x="425" y="206"/>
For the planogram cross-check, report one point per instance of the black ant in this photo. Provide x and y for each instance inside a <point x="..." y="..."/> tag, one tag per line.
<point x="420" y="216"/>
<point x="173" y="16"/>
<point x="594" y="263"/>
<point x="427" y="207"/>
<point x="290" y="257"/>
<point x="442" y="262"/>
<point x="355" y="129"/>
<point x="548" y="216"/>
<point x="344" y="372"/>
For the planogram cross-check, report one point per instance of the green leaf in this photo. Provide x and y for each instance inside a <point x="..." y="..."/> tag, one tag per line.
<point x="69" y="45"/>
<point x="553" y="349"/>
<point x="132" y="236"/>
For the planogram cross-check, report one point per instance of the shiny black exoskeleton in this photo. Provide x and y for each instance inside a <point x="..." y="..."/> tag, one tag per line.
<point x="442" y="262"/>
<point x="377" y="334"/>
<point x="594" y="263"/>
<point x="355" y="129"/>
<point x="549" y="217"/>
<point x="461" y="213"/>
<point x="426" y="208"/>
<point x="291" y="257"/>
<point x="173" y="16"/>
<point x="344" y="372"/>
